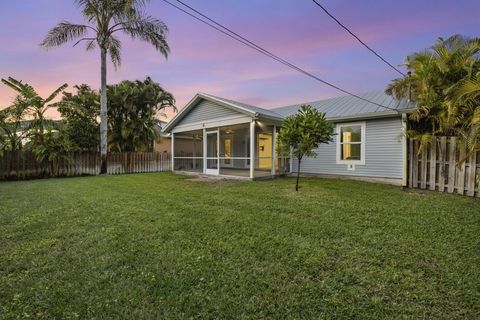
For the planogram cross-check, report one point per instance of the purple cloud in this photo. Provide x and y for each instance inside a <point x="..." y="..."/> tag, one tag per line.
<point x="204" y="60"/>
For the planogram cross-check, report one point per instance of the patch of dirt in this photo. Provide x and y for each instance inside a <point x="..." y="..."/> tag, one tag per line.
<point x="215" y="181"/>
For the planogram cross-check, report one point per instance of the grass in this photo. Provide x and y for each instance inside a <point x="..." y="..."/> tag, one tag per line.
<point x="165" y="246"/>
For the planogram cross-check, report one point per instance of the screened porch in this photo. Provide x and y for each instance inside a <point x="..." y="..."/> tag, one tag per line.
<point x="230" y="151"/>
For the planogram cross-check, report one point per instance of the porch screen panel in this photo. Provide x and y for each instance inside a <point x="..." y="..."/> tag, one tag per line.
<point x="234" y="150"/>
<point x="188" y="151"/>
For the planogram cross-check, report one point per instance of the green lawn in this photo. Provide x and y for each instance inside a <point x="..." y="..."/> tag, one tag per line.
<point x="165" y="246"/>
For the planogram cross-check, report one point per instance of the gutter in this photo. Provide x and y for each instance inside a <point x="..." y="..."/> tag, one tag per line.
<point x="371" y="115"/>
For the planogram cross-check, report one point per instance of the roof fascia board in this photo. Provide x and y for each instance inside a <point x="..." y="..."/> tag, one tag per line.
<point x="181" y="114"/>
<point x="366" y="116"/>
<point x="229" y="105"/>
<point x="195" y="100"/>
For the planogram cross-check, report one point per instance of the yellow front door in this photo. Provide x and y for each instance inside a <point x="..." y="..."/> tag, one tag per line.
<point x="264" y="143"/>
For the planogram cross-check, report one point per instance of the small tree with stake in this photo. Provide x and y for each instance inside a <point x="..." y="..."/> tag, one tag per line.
<point x="303" y="132"/>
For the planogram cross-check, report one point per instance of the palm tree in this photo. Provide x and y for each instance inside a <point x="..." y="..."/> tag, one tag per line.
<point x="134" y="108"/>
<point x="441" y="79"/>
<point x="467" y="95"/>
<point x="105" y="19"/>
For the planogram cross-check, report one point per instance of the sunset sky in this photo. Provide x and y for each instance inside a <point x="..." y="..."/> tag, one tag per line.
<point x="204" y="60"/>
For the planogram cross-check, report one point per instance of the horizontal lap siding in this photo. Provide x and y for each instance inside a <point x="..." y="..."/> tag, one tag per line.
<point x="206" y="110"/>
<point x="383" y="153"/>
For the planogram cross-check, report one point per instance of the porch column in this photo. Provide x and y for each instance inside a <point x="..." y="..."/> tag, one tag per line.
<point x="252" y="148"/>
<point x="173" y="151"/>
<point x="204" y="151"/>
<point x="274" y="153"/>
<point x="404" y="151"/>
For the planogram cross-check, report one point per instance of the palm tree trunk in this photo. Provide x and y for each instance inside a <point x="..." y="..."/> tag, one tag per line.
<point x="298" y="173"/>
<point x="103" y="112"/>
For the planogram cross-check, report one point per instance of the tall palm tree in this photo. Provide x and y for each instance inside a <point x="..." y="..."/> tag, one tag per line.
<point x="106" y="18"/>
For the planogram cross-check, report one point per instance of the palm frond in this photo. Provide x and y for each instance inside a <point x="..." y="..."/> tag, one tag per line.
<point x="114" y="49"/>
<point x="91" y="45"/>
<point x="468" y="88"/>
<point x="149" y="29"/>
<point x="64" y="32"/>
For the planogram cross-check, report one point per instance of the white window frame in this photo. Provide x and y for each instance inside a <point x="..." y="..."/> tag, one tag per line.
<point x="363" y="126"/>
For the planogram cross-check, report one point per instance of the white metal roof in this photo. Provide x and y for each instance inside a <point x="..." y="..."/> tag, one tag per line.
<point x="349" y="106"/>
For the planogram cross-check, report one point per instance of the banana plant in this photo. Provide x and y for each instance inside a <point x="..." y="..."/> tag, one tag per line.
<point x="29" y="103"/>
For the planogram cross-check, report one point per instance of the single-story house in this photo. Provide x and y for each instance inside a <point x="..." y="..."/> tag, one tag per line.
<point x="218" y="136"/>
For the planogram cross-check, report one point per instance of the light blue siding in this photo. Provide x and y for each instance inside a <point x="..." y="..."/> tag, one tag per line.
<point x="383" y="153"/>
<point x="206" y="110"/>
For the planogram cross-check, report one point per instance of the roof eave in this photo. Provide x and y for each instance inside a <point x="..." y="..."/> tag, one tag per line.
<point x="269" y="118"/>
<point x="169" y="126"/>
<point x="195" y="99"/>
<point x="228" y="104"/>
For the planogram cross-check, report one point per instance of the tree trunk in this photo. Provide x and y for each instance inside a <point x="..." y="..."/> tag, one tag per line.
<point x="298" y="173"/>
<point x="103" y="113"/>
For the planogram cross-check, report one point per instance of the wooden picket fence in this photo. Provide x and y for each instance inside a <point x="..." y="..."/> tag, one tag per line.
<point x="138" y="162"/>
<point x="22" y="165"/>
<point x="437" y="168"/>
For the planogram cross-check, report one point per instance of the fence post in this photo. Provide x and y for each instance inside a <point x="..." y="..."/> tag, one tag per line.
<point x="124" y="164"/>
<point x="441" y="169"/>
<point x="461" y="174"/>
<point x="161" y="161"/>
<point x="451" y="165"/>
<point x="433" y="163"/>
<point x="137" y="161"/>
<point x="423" y="177"/>
<point x="130" y="166"/>
<point x="472" y="168"/>
<point x="23" y="165"/>
<point x="415" y="164"/>
<point x="149" y="157"/>
<point x="144" y="160"/>
<point x="88" y="164"/>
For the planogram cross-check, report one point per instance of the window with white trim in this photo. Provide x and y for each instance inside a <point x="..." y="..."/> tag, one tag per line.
<point x="351" y="143"/>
